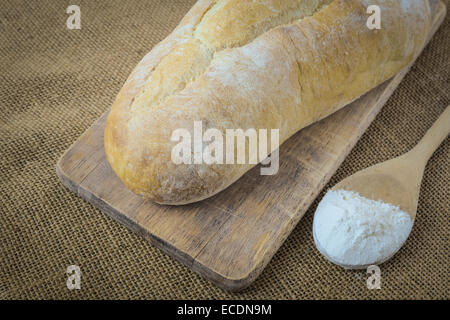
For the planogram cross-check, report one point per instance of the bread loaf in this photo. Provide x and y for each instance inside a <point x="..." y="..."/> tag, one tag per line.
<point x="251" y="64"/>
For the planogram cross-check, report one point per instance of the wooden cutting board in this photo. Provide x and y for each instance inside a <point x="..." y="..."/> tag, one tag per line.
<point x="231" y="237"/>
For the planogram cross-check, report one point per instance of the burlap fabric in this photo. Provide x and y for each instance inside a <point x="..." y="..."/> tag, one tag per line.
<point x="55" y="82"/>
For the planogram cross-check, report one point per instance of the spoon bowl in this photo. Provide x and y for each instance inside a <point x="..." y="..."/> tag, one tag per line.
<point x="396" y="181"/>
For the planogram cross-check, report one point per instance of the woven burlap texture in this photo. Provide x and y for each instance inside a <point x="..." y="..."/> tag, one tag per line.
<point x="55" y="82"/>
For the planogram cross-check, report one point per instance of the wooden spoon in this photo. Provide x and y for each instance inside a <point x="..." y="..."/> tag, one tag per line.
<point x="397" y="181"/>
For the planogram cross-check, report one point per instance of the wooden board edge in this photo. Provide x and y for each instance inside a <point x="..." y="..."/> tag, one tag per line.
<point x="133" y="226"/>
<point x="62" y="175"/>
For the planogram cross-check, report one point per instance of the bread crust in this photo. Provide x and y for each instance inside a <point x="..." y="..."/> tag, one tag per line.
<point x="259" y="76"/>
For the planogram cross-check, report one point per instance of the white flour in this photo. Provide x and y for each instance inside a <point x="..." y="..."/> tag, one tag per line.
<point x="352" y="230"/>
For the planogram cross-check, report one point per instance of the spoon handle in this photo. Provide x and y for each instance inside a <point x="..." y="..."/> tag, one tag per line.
<point x="433" y="138"/>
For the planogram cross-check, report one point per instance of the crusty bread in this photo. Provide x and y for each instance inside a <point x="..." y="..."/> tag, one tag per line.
<point x="251" y="64"/>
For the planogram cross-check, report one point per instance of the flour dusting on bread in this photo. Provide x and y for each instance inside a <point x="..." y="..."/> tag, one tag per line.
<point x="244" y="64"/>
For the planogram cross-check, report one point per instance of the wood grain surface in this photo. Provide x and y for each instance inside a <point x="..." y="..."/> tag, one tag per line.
<point x="231" y="237"/>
